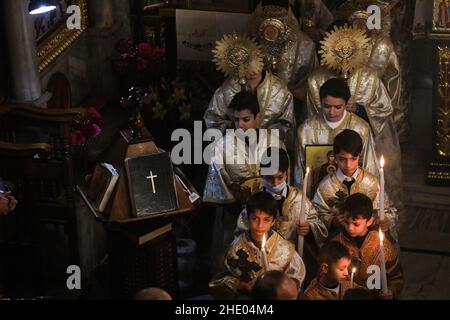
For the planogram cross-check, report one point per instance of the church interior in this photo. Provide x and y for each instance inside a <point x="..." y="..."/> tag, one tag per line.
<point x="96" y="96"/>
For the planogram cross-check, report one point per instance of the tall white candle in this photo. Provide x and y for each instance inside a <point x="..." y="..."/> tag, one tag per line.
<point x="381" y="196"/>
<point x="352" y="277"/>
<point x="384" y="287"/>
<point x="265" y="261"/>
<point x="302" y="217"/>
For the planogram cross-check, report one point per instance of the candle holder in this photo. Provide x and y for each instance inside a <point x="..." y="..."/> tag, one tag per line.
<point x="135" y="102"/>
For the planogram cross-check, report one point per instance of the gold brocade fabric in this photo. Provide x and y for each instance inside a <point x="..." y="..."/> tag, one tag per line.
<point x="243" y="261"/>
<point x="316" y="291"/>
<point x="315" y="131"/>
<point x="369" y="91"/>
<point x="296" y="57"/>
<point x="290" y="215"/>
<point x="369" y="254"/>
<point x="275" y="102"/>
<point x="331" y="194"/>
<point x="233" y="161"/>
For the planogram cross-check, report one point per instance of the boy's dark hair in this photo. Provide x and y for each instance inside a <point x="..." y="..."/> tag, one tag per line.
<point x="358" y="205"/>
<point x="358" y="294"/>
<point x="262" y="201"/>
<point x="332" y="252"/>
<point x="336" y="88"/>
<point x="245" y="100"/>
<point x="266" y="285"/>
<point x="283" y="159"/>
<point x="349" y="141"/>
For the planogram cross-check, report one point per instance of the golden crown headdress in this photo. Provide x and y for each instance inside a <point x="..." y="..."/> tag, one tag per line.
<point x="344" y="49"/>
<point x="238" y="55"/>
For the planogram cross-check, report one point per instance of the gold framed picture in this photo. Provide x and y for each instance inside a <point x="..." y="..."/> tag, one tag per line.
<point x="52" y="34"/>
<point x="441" y="16"/>
<point x="219" y="5"/>
<point x="320" y="160"/>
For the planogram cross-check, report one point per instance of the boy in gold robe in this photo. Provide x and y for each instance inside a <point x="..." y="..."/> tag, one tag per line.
<point x="245" y="259"/>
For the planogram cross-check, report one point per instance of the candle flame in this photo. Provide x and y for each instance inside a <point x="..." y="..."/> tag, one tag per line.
<point x="263" y="244"/>
<point x="381" y="236"/>
<point x="307" y="170"/>
<point x="353" y="270"/>
<point x="382" y="162"/>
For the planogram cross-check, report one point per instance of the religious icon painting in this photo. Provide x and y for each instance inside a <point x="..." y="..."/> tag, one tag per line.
<point x="321" y="161"/>
<point x="441" y="16"/>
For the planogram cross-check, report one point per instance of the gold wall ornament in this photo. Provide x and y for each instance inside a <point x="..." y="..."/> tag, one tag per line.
<point x="443" y="106"/>
<point x="344" y="49"/>
<point x="238" y="56"/>
<point x="61" y="38"/>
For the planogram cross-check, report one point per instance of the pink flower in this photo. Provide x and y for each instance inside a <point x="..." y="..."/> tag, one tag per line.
<point x="77" y="138"/>
<point x="90" y="130"/>
<point x="145" y="50"/>
<point x="141" y="64"/>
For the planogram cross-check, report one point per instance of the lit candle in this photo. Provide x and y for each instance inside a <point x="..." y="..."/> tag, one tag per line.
<point x="352" y="277"/>
<point x="302" y="217"/>
<point x="381" y="196"/>
<point x="384" y="287"/>
<point x="265" y="261"/>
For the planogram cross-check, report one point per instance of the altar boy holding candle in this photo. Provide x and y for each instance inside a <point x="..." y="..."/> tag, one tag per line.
<point x="287" y="224"/>
<point x="246" y="259"/>
<point x="289" y="199"/>
<point x="349" y="179"/>
<point x="363" y="242"/>
<point x="333" y="278"/>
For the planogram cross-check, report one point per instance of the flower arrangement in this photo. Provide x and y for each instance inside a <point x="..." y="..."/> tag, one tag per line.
<point x="138" y="60"/>
<point x="86" y="128"/>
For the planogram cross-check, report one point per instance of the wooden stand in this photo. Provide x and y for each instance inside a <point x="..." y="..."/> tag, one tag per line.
<point x="142" y="251"/>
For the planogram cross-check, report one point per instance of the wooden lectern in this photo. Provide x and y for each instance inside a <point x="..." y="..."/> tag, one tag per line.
<point x="142" y="250"/>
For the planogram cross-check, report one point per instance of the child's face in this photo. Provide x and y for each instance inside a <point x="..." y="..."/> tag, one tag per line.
<point x="333" y="108"/>
<point x="260" y="223"/>
<point x="357" y="227"/>
<point x="347" y="163"/>
<point x="276" y="179"/>
<point x="245" y="120"/>
<point x="338" y="271"/>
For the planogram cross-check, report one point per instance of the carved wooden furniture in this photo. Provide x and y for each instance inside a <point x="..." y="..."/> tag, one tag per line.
<point x="53" y="175"/>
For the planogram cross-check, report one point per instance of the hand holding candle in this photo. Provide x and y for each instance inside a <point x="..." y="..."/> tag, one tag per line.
<point x="302" y="217"/>
<point x="265" y="261"/>
<point x="352" y="277"/>
<point x="384" y="286"/>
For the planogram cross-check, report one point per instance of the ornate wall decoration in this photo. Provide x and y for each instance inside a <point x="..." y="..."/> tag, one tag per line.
<point x="53" y="36"/>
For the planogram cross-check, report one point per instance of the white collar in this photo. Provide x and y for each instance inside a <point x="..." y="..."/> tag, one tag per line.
<point x="334" y="125"/>
<point x="341" y="176"/>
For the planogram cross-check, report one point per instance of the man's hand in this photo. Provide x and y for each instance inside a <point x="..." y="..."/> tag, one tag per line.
<point x="7" y="203"/>
<point x="246" y="287"/>
<point x="351" y="105"/>
<point x="236" y="190"/>
<point x="4" y="205"/>
<point x="303" y="228"/>
<point x="339" y="220"/>
<point x="388" y="296"/>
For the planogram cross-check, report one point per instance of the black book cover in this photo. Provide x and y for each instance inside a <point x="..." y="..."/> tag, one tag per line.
<point x="151" y="183"/>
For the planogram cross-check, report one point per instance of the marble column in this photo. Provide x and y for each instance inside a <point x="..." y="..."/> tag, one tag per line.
<point x="22" y="52"/>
